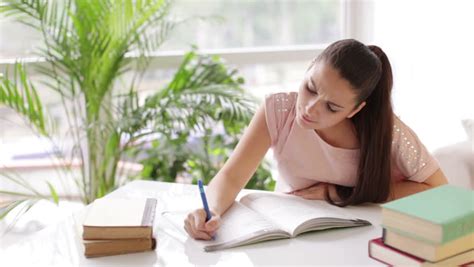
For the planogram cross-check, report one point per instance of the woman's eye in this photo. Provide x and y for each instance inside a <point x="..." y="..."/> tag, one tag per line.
<point x="311" y="91"/>
<point x="330" y="108"/>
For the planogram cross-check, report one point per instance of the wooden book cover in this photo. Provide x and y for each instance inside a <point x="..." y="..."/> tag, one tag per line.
<point x="117" y="218"/>
<point x="99" y="248"/>
<point x="438" y="215"/>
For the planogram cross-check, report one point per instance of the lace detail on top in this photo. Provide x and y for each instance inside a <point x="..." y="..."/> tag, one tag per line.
<point x="279" y="113"/>
<point x="409" y="154"/>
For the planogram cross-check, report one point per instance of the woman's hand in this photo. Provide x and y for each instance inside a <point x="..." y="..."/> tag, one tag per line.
<point x="316" y="191"/>
<point x="197" y="227"/>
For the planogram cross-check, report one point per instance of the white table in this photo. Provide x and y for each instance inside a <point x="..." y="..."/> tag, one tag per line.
<point x="60" y="245"/>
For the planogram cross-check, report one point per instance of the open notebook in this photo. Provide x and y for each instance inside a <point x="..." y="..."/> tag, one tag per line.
<point x="259" y="217"/>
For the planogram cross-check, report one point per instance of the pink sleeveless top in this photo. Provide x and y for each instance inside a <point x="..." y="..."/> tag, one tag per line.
<point x="304" y="158"/>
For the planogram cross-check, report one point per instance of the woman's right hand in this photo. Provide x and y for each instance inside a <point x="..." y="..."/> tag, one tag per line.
<point x="196" y="226"/>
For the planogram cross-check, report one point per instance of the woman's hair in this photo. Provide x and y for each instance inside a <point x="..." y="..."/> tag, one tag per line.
<point x="368" y="70"/>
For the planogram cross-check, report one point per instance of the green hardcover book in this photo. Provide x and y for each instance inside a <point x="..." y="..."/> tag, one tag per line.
<point x="436" y="216"/>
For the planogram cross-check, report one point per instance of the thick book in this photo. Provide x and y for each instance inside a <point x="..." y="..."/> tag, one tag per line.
<point x="394" y="257"/>
<point x="426" y="250"/>
<point x="438" y="215"/>
<point x="260" y="217"/>
<point x="100" y="248"/>
<point x="117" y="218"/>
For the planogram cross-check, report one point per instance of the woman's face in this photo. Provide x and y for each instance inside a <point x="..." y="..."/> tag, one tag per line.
<point x="325" y="98"/>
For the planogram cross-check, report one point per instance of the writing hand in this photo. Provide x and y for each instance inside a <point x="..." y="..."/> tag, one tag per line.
<point x="196" y="226"/>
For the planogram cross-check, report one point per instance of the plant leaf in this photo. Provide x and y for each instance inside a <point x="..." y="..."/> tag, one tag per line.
<point x="54" y="195"/>
<point x="19" y="94"/>
<point x="11" y="206"/>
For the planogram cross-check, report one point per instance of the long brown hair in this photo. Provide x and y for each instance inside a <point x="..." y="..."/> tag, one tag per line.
<point x="368" y="70"/>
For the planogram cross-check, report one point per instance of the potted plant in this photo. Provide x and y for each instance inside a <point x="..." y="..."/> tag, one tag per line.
<point x="88" y="47"/>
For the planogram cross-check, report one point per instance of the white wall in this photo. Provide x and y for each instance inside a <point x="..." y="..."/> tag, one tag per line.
<point x="431" y="48"/>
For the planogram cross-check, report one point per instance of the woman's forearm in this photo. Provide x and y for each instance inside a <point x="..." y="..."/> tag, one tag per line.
<point x="241" y="165"/>
<point x="221" y="193"/>
<point x="406" y="188"/>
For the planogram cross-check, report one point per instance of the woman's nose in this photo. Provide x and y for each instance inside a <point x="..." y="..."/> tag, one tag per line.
<point x="312" y="106"/>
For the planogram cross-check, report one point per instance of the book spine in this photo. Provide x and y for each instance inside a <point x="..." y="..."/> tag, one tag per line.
<point x="372" y="243"/>
<point x="452" y="230"/>
<point x="409" y="234"/>
<point x="379" y="243"/>
<point x="149" y="212"/>
<point x="459" y="227"/>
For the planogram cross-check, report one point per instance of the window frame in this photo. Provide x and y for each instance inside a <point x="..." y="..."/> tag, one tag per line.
<point x="357" y="18"/>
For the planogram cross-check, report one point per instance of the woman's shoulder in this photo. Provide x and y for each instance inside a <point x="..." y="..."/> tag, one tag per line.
<point x="281" y="102"/>
<point x="280" y="114"/>
<point x="401" y="131"/>
<point x="410" y="154"/>
<point x="282" y="96"/>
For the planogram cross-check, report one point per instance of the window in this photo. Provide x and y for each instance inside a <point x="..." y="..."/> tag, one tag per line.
<point x="228" y="24"/>
<point x="243" y="27"/>
<point x="254" y="23"/>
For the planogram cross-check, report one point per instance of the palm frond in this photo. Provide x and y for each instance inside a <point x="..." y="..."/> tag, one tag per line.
<point x="19" y="94"/>
<point x="202" y="92"/>
<point x="28" y="12"/>
<point x="21" y="206"/>
<point x="222" y="102"/>
<point x="19" y="181"/>
<point x="29" y="195"/>
<point x="4" y="211"/>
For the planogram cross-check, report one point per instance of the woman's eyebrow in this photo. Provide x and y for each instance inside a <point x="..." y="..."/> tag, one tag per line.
<point x="329" y="102"/>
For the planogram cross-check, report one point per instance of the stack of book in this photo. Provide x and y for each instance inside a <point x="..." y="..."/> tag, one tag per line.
<point x="119" y="226"/>
<point x="434" y="227"/>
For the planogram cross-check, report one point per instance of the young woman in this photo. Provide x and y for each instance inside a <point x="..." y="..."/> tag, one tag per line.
<point x="337" y="139"/>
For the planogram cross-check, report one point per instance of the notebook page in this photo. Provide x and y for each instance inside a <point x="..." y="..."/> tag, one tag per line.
<point x="239" y="223"/>
<point x="288" y="211"/>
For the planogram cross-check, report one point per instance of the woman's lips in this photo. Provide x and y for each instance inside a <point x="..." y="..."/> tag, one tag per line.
<point x="307" y="119"/>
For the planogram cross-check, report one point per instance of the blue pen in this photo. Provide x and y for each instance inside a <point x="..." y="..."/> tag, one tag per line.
<point x="204" y="200"/>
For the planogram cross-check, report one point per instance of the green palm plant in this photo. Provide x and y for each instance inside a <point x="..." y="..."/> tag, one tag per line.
<point x="87" y="44"/>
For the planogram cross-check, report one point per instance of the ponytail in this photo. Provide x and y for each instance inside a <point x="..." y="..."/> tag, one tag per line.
<point x="374" y="125"/>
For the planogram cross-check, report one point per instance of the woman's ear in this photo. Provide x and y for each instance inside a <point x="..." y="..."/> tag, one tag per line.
<point x="361" y="105"/>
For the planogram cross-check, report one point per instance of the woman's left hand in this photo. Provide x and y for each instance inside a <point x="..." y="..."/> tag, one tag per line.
<point x="316" y="191"/>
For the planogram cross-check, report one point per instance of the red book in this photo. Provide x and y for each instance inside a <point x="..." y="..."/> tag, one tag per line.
<point x="391" y="256"/>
